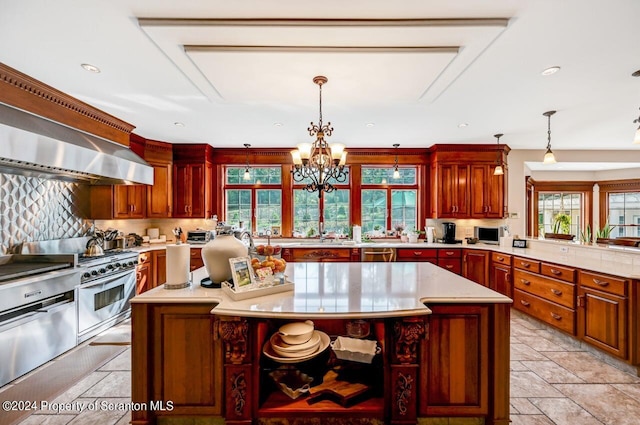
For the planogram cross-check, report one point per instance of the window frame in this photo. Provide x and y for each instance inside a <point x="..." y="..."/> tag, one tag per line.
<point x="611" y="187"/>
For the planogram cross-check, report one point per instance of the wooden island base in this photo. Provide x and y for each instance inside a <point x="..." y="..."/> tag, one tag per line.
<point x="453" y="363"/>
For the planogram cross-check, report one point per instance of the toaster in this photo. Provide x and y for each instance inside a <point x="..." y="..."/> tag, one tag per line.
<point x="198" y="236"/>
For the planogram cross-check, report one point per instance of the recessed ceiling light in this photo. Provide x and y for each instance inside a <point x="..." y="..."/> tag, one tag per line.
<point x="463" y="125"/>
<point x="277" y="124"/>
<point x="551" y="70"/>
<point x="90" y="68"/>
<point x="178" y="124"/>
<point x="370" y="124"/>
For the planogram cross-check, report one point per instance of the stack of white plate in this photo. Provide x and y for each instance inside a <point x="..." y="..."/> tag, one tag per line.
<point x="296" y="342"/>
<point x="295" y="350"/>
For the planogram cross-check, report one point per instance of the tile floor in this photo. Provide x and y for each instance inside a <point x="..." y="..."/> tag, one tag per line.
<point x="554" y="380"/>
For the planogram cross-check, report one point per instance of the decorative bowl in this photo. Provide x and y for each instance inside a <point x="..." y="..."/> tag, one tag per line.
<point x="296" y="332"/>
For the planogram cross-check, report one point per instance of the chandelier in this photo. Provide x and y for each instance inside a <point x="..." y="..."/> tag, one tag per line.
<point x="319" y="161"/>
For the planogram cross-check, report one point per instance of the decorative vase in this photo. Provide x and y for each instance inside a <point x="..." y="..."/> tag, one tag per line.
<point x="216" y="254"/>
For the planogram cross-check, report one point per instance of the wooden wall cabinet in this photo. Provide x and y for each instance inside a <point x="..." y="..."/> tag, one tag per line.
<point x="603" y="312"/>
<point x="475" y="265"/>
<point x="117" y="202"/>
<point x="463" y="184"/>
<point x="487" y="192"/>
<point x="192" y="181"/>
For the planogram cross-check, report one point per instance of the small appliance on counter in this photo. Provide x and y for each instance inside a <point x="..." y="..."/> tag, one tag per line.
<point x="449" y="233"/>
<point x="199" y="236"/>
<point x="488" y="235"/>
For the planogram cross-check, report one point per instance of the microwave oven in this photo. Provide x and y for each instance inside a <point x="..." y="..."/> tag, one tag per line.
<point x="198" y="236"/>
<point x="489" y="235"/>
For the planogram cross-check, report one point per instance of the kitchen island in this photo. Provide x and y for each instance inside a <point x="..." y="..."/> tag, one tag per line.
<point x="444" y="348"/>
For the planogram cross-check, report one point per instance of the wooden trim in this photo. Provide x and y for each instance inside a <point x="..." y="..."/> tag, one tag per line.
<point x="285" y="22"/>
<point x="24" y="92"/>
<point x="619" y="186"/>
<point x="321" y="49"/>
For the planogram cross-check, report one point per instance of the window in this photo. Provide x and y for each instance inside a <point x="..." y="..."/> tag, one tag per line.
<point x="623" y="211"/>
<point x="333" y="206"/>
<point x="264" y="190"/>
<point x="552" y="204"/>
<point x="388" y="202"/>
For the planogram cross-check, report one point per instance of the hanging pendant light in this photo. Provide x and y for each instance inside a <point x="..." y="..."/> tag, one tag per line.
<point x="396" y="172"/>
<point x="636" y="139"/>
<point x="319" y="162"/>
<point x="498" y="170"/>
<point x="549" y="157"/>
<point x="247" y="175"/>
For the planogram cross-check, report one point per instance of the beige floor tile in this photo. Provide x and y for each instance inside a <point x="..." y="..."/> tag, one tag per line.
<point x="524" y="352"/>
<point x="121" y="362"/>
<point x="116" y="384"/>
<point x="530" y="420"/>
<point x="591" y="369"/>
<point x="551" y="372"/>
<point x="524" y="406"/>
<point x="568" y="343"/>
<point x="71" y="407"/>
<point x="563" y="411"/>
<point x="125" y="419"/>
<point x="48" y="420"/>
<point x="632" y="390"/>
<point x="528" y="384"/>
<point x="540" y="344"/>
<point x="518" y="331"/>
<point x="76" y="391"/>
<point x="517" y="366"/>
<point x="101" y="415"/>
<point x="604" y="402"/>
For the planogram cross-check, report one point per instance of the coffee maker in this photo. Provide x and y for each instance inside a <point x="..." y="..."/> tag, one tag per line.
<point x="449" y="233"/>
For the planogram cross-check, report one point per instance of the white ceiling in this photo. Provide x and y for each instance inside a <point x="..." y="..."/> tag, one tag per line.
<point x="415" y="83"/>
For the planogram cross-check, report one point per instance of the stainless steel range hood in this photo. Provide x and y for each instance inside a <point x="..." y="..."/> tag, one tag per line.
<point x="34" y="146"/>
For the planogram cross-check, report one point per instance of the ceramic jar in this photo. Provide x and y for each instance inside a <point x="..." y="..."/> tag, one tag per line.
<point x="216" y="254"/>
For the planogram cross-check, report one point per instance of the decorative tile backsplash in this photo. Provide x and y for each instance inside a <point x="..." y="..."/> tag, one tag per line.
<point x="37" y="209"/>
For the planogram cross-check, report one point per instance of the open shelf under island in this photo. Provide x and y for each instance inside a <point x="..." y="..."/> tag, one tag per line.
<point x="443" y="339"/>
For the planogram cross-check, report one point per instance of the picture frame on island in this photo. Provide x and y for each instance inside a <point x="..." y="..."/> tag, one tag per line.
<point x="241" y="272"/>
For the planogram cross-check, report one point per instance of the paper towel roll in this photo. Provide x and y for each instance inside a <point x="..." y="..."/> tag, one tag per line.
<point x="357" y="234"/>
<point x="178" y="257"/>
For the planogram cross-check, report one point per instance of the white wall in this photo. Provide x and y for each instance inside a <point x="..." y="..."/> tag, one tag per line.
<point x="518" y="171"/>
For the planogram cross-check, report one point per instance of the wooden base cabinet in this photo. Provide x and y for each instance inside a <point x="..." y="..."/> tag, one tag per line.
<point x="159" y="267"/>
<point x="475" y="265"/>
<point x="177" y="357"/>
<point x="500" y="274"/>
<point x="465" y="363"/>
<point x="144" y="273"/>
<point x="603" y="312"/>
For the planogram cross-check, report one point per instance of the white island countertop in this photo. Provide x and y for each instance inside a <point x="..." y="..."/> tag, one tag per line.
<point x="341" y="290"/>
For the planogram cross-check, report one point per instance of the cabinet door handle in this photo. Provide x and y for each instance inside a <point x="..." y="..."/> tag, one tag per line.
<point x="488" y="208"/>
<point x="600" y="282"/>
<point x="524" y="303"/>
<point x="507" y="277"/>
<point x="449" y="253"/>
<point x="417" y="253"/>
<point x="555" y="271"/>
<point x="556" y="316"/>
<point x="500" y="258"/>
<point x="525" y="265"/>
<point x="556" y="291"/>
<point x="449" y="266"/>
<point x="581" y="301"/>
<point x="186" y="208"/>
<point x="525" y="281"/>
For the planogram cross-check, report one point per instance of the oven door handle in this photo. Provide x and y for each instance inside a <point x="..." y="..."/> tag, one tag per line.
<point x="54" y="307"/>
<point x="108" y="279"/>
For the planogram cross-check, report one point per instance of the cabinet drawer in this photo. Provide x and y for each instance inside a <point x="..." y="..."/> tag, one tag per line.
<point x="320" y="254"/>
<point x="449" y="253"/>
<point x="603" y="282"/>
<point x="561" y="317"/>
<point x="454" y="265"/>
<point x="416" y="254"/>
<point x="544" y="287"/>
<point x="567" y="274"/>
<point x="500" y="258"/>
<point x="526" y="264"/>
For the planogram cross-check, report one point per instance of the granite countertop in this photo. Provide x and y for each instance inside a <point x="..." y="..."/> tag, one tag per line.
<point x="342" y="290"/>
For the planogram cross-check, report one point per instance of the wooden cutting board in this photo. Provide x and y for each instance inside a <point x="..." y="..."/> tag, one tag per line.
<point x="344" y="393"/>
